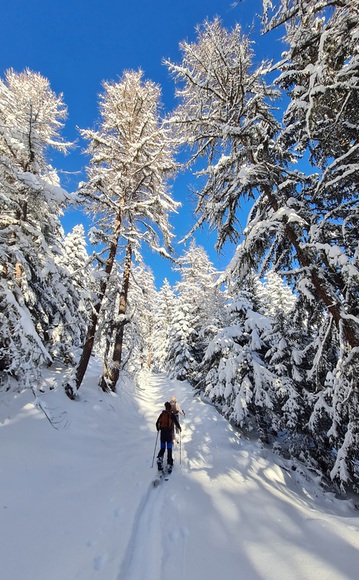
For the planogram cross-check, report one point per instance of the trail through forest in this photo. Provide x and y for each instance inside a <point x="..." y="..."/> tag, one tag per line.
<point x="78" y="501"/>
<point x="228" y="506"/>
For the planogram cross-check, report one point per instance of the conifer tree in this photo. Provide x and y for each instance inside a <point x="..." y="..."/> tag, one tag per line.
<point x="319" y="71"/>
<point x="81" y="283"/>
<point x="302" y="224"/>
<point x="279" y="298"/>
<point x="237" y="377"/>
<point x="126" y="191"/>
<point x="195" y="315"/>
<point x="139" y="344"/>
<point x="225" y="117"/>
<point x="31" y="281"/>
<point x="164" y="306"/>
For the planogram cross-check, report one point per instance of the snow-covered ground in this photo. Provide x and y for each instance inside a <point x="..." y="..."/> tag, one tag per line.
<point x="77" y="500"/>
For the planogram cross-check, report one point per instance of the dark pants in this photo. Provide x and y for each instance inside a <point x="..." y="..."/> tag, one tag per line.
<point x="166" y="439"/>
<point x="177" y="417"/>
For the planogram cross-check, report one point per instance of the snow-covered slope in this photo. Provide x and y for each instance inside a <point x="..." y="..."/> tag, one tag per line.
<point x="77" y="500"/>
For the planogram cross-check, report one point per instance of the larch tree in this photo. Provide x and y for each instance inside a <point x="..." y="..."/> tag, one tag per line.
<point x="303" y="225"/>
<point x="112" y="367"/>
<point x="225" y="119"/>
<point x="135" y="322"/>
<point x="225" y="116"/>
<point x="31" y="297"/>
<point x="126" y="192"/>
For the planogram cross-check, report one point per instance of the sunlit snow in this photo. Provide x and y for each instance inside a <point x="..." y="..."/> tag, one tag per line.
<point x="77" y="500"/>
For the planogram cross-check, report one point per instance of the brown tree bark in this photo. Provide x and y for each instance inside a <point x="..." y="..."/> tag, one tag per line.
<point x="90" y="336"/>
<point x="111" y="373"/>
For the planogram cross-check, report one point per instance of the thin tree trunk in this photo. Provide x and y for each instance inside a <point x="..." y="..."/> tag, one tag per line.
<point x="91" y="331"/>
<point x="108" y="342"/>
<point x="109" y="380"/>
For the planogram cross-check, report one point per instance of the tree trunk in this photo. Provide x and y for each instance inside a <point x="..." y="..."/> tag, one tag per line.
<point x="110" y="376"/>
<point x="90" y="336"/>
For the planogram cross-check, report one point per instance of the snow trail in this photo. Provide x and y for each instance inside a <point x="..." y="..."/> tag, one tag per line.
<point x="231" y="505"/>
<point x="77" y="502"/>
<point x="144" y="552"/>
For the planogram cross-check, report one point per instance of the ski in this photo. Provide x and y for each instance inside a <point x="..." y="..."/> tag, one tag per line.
<point x="162" y="476"/>
<point x="158" y="480"/>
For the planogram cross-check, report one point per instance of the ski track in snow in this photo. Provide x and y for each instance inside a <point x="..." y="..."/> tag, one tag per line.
<point x="80" y="501"/>
<point x="144" y="557"/>
<point x="219" y="490"/>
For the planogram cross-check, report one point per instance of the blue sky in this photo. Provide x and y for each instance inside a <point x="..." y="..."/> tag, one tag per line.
<point x="77" y="44"/>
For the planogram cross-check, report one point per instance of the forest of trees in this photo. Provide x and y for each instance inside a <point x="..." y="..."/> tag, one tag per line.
<point x="273" y="341"/>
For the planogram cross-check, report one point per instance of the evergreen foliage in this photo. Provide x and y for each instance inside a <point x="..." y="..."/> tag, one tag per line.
<point x="165" y="301"/>
<point x="195" y="314"/>
<point x="37" y="305"/>
<point x="126" y="192"/>
<point x="273" y="340"/>
<point x="303" y="225"/>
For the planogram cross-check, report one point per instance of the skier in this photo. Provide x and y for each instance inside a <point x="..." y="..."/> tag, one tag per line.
<point x="177" y="411"/>
<point x="165" y="423"/>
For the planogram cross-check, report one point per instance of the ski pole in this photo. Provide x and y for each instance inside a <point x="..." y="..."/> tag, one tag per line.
<point x="180" y="447"/>
<point x="154" y="453"/>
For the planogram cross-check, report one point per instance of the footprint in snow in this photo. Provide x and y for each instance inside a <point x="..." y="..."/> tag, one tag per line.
<point x="99" y="562"/>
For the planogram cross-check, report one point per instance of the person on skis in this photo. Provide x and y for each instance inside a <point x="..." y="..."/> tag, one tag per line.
<point x="164" y="424"/>
<point x="177" y="411"/>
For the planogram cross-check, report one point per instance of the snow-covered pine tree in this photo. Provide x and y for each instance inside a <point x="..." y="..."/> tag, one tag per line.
<point x="288" y="359"/>
<point x="77" y="259"/>
<point x="237" y="378"/>
<point x="196" y="315"/>
<point x="78" y="264"/>
<point x="139" y="344"/>
<point x="164" y="306"/>
<point x="127" y="191"/>
<point x="320" y="72"/>
<point x="179" y="360"/>
<point x="305" y="225"/>
<point x="279" y="297"/>
<point x="31" y="119"/>
<point x="285" y="359"/>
